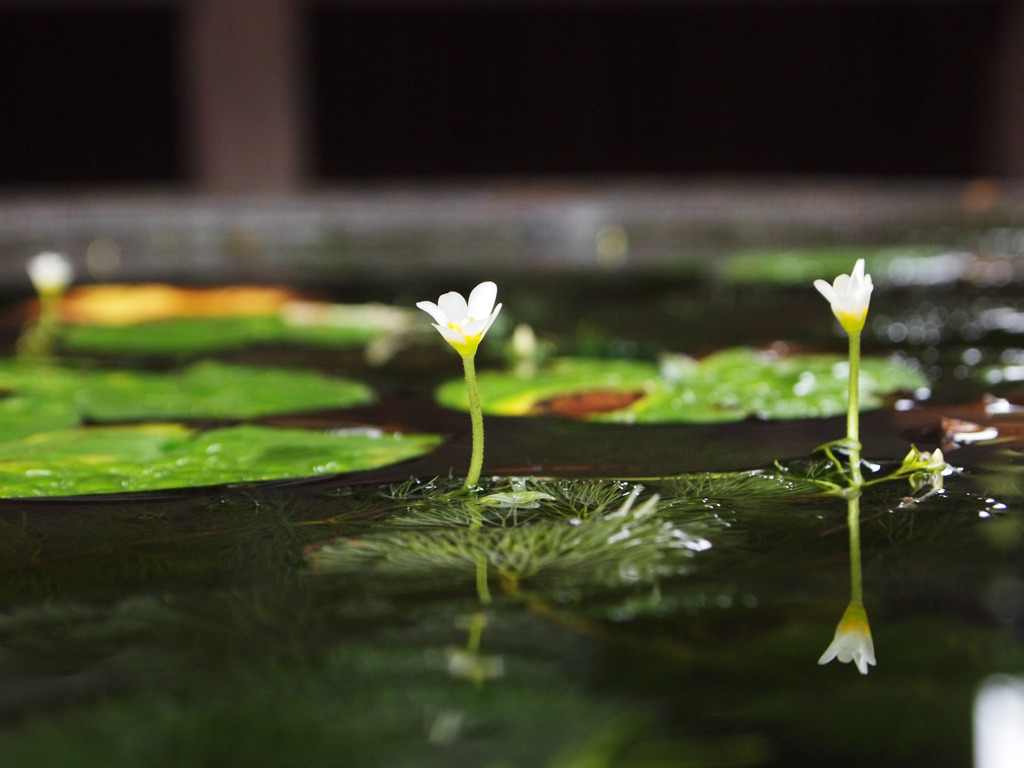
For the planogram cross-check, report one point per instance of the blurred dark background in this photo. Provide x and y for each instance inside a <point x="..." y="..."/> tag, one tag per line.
<point x="279" y="94"/>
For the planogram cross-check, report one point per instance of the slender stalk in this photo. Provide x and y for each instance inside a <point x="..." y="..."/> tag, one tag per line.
<point x="38" y="338"/>
<point x="853" y="523"/>
<point x="476" y="416"/>
<point x="483" y="589"/>
<point x="853" y="412"/>
<point x="477" y="623"/>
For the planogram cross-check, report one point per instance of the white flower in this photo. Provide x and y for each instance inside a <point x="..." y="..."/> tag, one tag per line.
<point x="50" y="273"/>
<point x="849" y="296"/>
<point x="852" y="641"/>
<point x="923" y="468"/>
<point x="934" y="461"/>
<point x="461" y="323"/>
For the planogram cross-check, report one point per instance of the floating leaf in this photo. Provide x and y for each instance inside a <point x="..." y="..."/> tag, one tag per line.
<point x="147" y="457"/>
<point x="199" y="335"/>
<point x="727" y="386"/>
<point x="204" y="390"/>
<point x="161" y="319"/>
<point x="21" y="416"/>
<point x="802" y="266"/>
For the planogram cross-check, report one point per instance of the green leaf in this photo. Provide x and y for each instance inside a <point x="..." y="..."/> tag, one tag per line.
<point x="727" y="386"/>
<point x="204" y="390"/>
<point x="342" y="326"/>
<point x="147" y="457"/>
<point x="803" y="266"/>
<point x="21" y="416"/>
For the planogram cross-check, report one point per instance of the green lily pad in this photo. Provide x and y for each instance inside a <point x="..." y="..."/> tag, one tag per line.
<point x="22" y="415"/>
<point x="803" y="266"/>
<point x="50" y="396"/>
<point x="727" y="386"/>
<point x="148" y="457"/>
<point x="343" y="327"/>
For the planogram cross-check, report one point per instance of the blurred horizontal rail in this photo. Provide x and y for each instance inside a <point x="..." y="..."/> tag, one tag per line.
<point x="403" y="232"/>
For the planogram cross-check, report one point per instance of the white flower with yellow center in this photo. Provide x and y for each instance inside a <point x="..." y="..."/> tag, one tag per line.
<point x="852" y="641"/>
<point x="849" y="296"/>
<point x="51" y="273"/>
<point x="463" y="323"/>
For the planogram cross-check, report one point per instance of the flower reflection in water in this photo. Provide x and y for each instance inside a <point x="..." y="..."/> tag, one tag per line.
<point x="852" y="641"/>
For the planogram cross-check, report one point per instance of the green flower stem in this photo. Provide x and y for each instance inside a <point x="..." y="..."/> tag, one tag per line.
<point x="38" y="338"/>
<point x="476" y="415"/>
<point x="476" y="625"/>
<point x="483" y="589"/>
<point x="853" y="523"/>
<point x="853" y="412"/>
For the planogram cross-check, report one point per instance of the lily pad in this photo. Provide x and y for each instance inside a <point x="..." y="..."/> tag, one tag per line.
<point x="22" y="415"/>
<point x="208" y="334"/>
<point x="148" y="457"/>
<point x="162" y="319"/>
<point x="803" y="266"/>
<point x="727" y="386"/>
<point x="50" y="396"/>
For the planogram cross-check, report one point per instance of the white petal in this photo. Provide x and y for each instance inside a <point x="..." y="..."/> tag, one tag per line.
<point x="451" y="335"/>
<point x="454" y="306"/>
<point x="864" y="291"/>
<point x="490" y="320"/>
<point x="50" y="271"/>
<point x="434" y="311"/>
<point x="475" y="327"/>
<point x="825" y="290"/>
<point x="481" y="300"/>
<point x="863" y="659"/>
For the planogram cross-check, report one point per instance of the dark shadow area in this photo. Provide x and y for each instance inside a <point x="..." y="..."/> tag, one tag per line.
<point x="93" y="95"/>
<point x="665" y="88"/>
<point x="89" y="95"/>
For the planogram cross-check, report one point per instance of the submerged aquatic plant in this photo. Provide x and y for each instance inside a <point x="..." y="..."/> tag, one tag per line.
<point x="463" y="324"/>
<point x="579" y="532"/>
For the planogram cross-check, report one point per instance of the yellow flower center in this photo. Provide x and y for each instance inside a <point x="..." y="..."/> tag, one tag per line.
<point x="852" y="322"/>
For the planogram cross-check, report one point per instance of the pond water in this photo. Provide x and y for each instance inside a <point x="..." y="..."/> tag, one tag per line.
<point x="343" y="620"/>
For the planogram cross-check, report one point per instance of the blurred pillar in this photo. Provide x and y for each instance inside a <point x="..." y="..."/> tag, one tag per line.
<point x="244" y="110"/>
<point x="1004" y="143"/>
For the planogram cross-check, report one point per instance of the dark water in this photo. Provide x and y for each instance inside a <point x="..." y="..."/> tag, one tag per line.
<point x="248" y="626"/>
